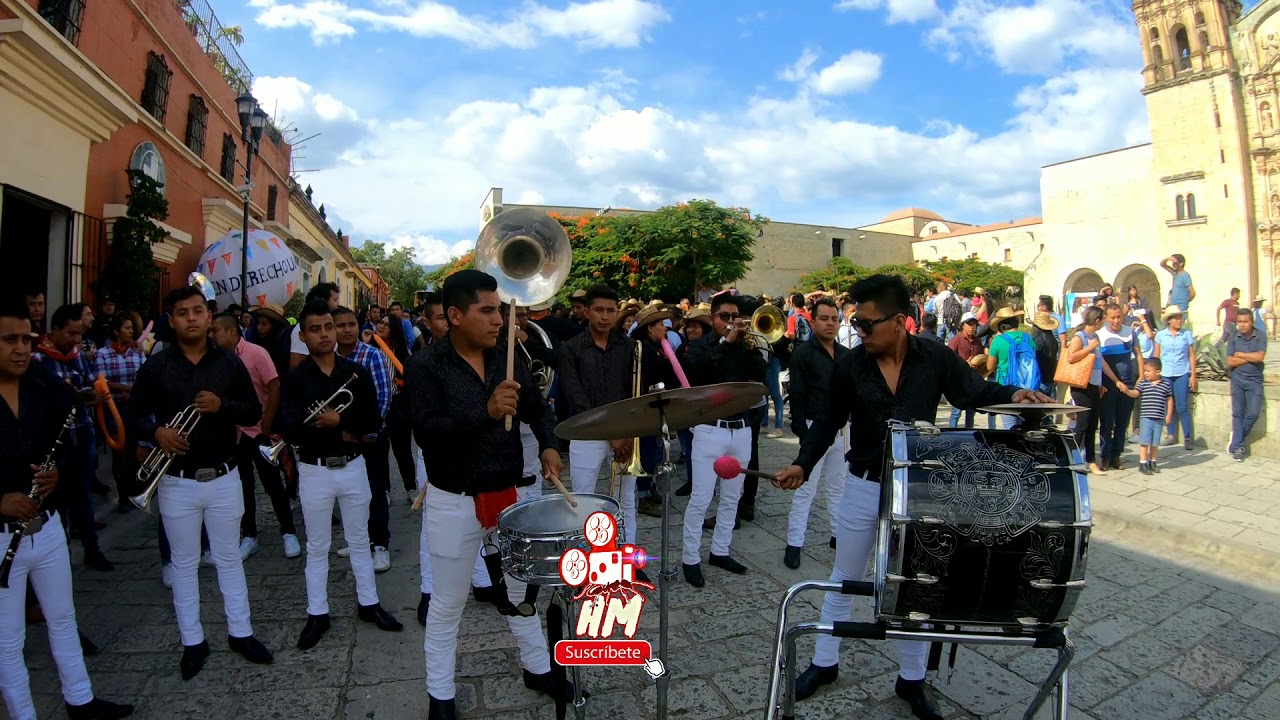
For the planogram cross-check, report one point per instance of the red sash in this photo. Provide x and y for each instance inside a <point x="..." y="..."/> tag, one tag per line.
<point x="490" y="504"/>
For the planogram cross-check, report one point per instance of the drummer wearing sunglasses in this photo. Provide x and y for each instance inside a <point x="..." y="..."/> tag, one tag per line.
<point x="891" y="376"/>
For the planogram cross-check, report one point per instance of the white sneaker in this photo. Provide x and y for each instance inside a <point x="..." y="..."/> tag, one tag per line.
<point x="292" y="548"/>
<point x="166" y="575"/>
<point x="381" y="559"/>
<point x="207" y="559"/>
<point x="248" y="546"/>
<point x="344" y="552"/>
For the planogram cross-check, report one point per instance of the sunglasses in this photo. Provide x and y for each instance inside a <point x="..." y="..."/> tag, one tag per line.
<point x="866" y="327"/>
<point x="727" y="317"/>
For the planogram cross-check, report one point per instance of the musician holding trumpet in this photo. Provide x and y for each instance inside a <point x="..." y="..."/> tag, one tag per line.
<point x="32" y="442"/>
<point x="208" y="393"/>
<point x="330" y="413"/>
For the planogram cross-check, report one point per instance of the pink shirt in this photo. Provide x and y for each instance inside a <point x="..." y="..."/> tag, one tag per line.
<point x="262" y="370"/>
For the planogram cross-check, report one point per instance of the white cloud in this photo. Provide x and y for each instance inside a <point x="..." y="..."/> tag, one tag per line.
<point x="799" y="70"/>
<point x="331" y="108"/>
<point x="430" y="250"/>
<point x="854" y="72"/>
<point x="529" y="197"/>
<point x="593" y="24"/>
<point x="281" y="95"/>
<point x="900" y="11"/>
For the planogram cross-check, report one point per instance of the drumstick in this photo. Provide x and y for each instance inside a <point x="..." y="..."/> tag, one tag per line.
<point x="511" y="354"/>
<point x="422" y="495"/>
<point x="567" y="496"/>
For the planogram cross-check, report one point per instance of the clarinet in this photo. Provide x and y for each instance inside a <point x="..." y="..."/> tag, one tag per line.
<point x="6" y="565"/>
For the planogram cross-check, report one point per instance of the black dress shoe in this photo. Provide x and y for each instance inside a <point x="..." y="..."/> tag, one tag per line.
<point x="193" y="657"/>
<point x="746" y="511"/>
<point x="724" y="562"/>
<point x="684" y="490"/>
<point x="87" y="648"/>
<point x="642" y="576"/>
<point x="693" y="575"/>
<point x="99" y="709"/>
<point x="376" y="615"/>
<point x="485" y="595"/>
<point x="542" y="684"/>
<point x="814" y="677"/>
<point x="250" y="649"/>
<point x="316" y="627"/>
<point x="424" y="604"/>
<point x="96" y="560"/>
<point x="922" y="703"/>
<point x="442" y="709"/>
<point x="832" y="544"/>
<point x="791" y="558"/>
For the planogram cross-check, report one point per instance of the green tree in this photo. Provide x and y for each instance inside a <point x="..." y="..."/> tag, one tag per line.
<point x="838" y="276"/>
<point x="1001" y="281"/>
<point x="399" y="268"/>
<point x="130" y="275"/>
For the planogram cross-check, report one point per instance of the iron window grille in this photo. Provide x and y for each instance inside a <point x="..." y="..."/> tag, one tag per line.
<point x="65" y="16"/>
<point x="273" y="194"/>
<point x="228" y="169"/>
<point x="197" y="124"/>
<point x="155" y="92"/>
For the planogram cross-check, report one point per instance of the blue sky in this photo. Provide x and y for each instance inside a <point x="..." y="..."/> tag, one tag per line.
<point x="823" y="111"/>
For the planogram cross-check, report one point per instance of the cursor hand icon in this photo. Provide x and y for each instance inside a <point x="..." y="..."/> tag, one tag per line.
<point x="655" y="668"/>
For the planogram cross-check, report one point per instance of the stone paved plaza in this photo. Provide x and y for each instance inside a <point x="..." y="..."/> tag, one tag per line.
<point x="1179" y="627"/>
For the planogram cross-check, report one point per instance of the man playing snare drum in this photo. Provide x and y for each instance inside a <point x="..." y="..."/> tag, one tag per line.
<point x="921" y="372"/>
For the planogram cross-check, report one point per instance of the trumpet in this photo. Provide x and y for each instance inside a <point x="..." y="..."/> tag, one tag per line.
<point x="271" y="453"/>
<point x="34" y="524"/>
<point x="157" y="462"/>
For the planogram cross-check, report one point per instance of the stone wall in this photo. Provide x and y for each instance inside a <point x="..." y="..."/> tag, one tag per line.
<point x="1211" y="413"/>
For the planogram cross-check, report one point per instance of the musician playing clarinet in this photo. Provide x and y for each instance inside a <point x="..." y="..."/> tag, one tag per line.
<point x="331" y="466"/>
<point x="201" y="487"/>
<point x="31" y="418"/>
<point x="890" y="376"/>
<point x="459" y="398"/>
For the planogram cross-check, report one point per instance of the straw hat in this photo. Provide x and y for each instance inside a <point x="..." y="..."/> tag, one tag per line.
<point x="1045" y="321"/>
<point x="704" y="307"/>
<point x="979" y="363"/>
<point x="1171" y="311"/>
<point x="701" y="315"/>
<point x="579" y="295"/>
<point x="650" y="315"/>
<point x="271" y="310"/>
<point x="1005" y="313"/>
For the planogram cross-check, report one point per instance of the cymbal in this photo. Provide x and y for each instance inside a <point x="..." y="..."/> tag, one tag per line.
<point x="683" y="408"/>
<point x="1034" y="410"/>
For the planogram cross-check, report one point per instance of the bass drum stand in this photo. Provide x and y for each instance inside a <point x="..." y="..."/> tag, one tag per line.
<point x="780" y="705"/>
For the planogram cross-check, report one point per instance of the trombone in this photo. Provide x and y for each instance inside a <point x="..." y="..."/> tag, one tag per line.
<point x="158" y="462"/>
<point x="634" y="468"/>
<point x="271" y="453"/>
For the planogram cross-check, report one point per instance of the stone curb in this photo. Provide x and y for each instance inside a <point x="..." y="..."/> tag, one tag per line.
<point x="1143" y="532"/>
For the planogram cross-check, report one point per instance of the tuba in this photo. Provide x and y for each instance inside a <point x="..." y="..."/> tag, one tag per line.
<point x="543" y="375"/>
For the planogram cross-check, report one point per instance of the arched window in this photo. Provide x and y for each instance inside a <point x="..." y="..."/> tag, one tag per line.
<point x="1182" y="49"/>
<point x="1199" y="19"/>
<point x="1191" y="205"/>
<point x="1181" y="206"/>
<point x="1157" y="59"/>
<point x="1204" y="41"/>
<point x="324" y="275"/>
<point x="1155" y="34"/>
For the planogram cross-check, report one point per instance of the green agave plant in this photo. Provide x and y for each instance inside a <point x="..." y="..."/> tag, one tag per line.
<point x="1211" y="358"/>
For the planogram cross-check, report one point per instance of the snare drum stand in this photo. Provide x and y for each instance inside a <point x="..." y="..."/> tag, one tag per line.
<point x="563" y="596"/>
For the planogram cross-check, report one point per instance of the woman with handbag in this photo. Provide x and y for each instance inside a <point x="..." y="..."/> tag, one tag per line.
<point x="1081" y="368"/>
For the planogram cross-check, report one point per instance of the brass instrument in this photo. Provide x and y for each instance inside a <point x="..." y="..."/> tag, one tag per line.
<point x="529" y="254"/>
<point x="35" y="523"/>
<point x="543" y="375"/>
<point x="271" y="453"/>
<point x="634" y="468"/>
<point x="157" y="462"/>
<point x="768" y="325"/>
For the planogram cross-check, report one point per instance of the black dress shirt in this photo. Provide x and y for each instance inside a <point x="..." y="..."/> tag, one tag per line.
<point x="591" y="376"/>
<point x="307" y="385"/>
<point x="168" y="382"/>
<point x="860" y="395"/>
<point x="710" y="361"/>
<point x="465" y="450"/>
<point x="655" y="368"/>
<point x="811" y="369"/>
<point x="44" y="402"/>
<point x="538" y="350"/>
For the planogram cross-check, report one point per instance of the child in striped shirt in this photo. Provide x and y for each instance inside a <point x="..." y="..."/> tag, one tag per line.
<point x="1155" y="410"/>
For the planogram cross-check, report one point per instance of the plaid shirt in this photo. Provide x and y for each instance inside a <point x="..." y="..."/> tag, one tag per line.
<point x="380" y="369"/>
<point x="77" y="373"/>
<point x="119" y="369"/>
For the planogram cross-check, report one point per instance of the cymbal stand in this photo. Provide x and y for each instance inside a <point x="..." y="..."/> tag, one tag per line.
<point x="667" y="574"/>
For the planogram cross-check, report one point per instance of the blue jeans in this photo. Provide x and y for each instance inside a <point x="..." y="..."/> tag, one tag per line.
<point x="1114" y="411"/>
<point x="968" y="418"/>
<point x="1246" y="406"/>
<point x="1181" y="406"/>
<point x="686" y="453"/>
<point x="774" y="384"/>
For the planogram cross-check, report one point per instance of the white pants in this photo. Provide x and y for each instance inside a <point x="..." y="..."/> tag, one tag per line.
<point x="455" y="536"/>
<point x="318" y="488"/>
<point x="856" y="526"/>
<point x="585" y="459"/>
<point x="479" y="574"/>
<point x="830" y="470"/>
<point x="218" y="505"/>
<point x="711" y="442"/>
<point x="43" y="558"/>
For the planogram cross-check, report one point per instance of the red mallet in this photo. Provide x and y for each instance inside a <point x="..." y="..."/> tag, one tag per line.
<point x="728" y="468"/>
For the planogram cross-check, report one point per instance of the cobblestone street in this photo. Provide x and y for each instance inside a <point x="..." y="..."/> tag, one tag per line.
<point x="1180" y="628"/>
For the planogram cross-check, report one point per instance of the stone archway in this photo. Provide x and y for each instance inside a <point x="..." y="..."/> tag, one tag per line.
<point x="1083" y="280"/>
<point x="1147" y="281"/>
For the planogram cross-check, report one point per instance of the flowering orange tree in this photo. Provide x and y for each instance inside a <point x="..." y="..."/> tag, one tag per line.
<point x="666" y="254"/>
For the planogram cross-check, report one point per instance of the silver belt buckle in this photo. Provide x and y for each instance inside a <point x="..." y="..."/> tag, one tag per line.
<point x="335" y="463"/>
<point x="206" y="474"/>
<point x="35" y="524"/>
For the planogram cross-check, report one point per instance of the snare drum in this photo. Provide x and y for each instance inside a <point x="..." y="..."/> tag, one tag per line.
<point x="533" y="535"/>
<point x="981" y="528"/>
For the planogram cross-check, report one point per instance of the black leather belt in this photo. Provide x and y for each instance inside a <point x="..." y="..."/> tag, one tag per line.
<point x="863" y="474"/>
<point x="33" y="526"/>
<point x="732" y="424"/>
<point x="331" y="462"/>
<point x="206" y="474"/>
<point x="526" y="481"/>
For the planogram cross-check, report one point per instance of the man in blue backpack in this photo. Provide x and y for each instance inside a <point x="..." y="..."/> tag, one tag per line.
<point x="1012" y="356"/>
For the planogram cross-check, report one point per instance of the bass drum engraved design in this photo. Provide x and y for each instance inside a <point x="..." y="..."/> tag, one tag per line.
<point x="532" y="536"/>
<point x="981" y="527"/>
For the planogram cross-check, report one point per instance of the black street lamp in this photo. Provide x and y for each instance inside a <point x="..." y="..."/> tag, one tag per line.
<point x="252" y="121"/>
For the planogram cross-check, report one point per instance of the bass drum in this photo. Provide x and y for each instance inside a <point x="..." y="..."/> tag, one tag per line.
<point x="981" y="528"/>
